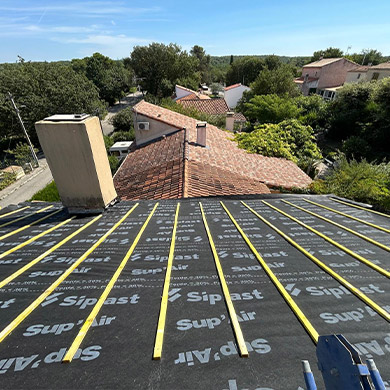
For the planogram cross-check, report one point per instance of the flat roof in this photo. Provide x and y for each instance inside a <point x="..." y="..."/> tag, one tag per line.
<point x="120" y="145"/>
<point x="200" y="348"/>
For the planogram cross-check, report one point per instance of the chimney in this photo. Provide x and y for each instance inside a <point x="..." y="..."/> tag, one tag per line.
<point x="201" y="133"/>
<point x="75" y="151"/>
<point x="230" y="121"/>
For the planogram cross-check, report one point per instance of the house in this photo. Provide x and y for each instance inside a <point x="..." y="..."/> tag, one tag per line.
<point x="357" y="74"/>
<point x="216" y="106"/>
<point x="233" y="94"/>
<point x="368" y="73"/>
<point x="207" y="293"/>
<point x="319" y="76"/>
<point x="183" y="92"/>
<point x="177" y="157"/>
<point x="378" y="72"/>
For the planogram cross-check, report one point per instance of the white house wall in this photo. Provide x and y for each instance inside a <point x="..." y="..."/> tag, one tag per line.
<point x="232" y="96"/>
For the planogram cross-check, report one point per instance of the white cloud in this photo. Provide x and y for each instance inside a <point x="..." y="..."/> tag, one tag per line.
<point x="87" y="7"/>
<point x="105" y="40"/>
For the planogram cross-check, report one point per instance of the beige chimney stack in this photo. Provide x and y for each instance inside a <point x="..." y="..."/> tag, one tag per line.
<point x="75" y="152"/>
<point x="201" y="133"/>
<point x="230" y="121"/>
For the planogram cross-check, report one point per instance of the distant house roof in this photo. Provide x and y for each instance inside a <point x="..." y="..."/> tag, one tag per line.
<point x="211" y="107"/>
<point x="192" y="94"/>
<point x="234" y="86"/>
<point x="174" y="166"/>
<point x="324" y="62"/>
<point x="301" y="80"/>
<point x="384" y="65"/>
<point x="360" y="69"/>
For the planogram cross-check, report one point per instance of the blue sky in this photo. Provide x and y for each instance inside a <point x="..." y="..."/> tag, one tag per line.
<point x="61" y="30"/>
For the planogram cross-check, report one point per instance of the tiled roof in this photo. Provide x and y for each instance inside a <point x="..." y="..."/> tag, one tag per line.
<point x="384" y="65"/>
<point x="360" y="69"/>
<point x="323" y="62"/>
<point x="153" y="171"/>
<point x="234" y="86"/>
<point x="211" y="107"/>
<point x="326" y="61"/>
<point x="301" y="80"/>
<point x="238" y="117"/>
<point x="208" y="180"/>
<point x="192" y="94"/>
<point x="229" y="169"/>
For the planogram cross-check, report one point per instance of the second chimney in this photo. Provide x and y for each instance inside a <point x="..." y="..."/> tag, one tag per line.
<point x="201" y="133"/>
<point x="230" y="121"/>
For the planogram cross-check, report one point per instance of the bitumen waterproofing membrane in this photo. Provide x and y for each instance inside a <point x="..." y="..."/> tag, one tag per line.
<point x="225" y="265"/>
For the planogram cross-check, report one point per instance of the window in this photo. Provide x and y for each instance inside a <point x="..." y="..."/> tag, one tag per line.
<point x="375" y="76"/>
<point x="358" y="76"/>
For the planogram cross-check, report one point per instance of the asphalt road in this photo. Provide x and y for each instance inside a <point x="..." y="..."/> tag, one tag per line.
<point x="27" y="186"/>
<point x="128" y="101"/>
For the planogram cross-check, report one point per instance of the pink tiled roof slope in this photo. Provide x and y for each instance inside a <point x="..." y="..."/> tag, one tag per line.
<point x="219" y="169"/>
<point x="211" y="107"/>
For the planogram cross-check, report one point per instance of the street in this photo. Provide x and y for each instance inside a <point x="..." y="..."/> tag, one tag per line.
<point x="128" y="101"/>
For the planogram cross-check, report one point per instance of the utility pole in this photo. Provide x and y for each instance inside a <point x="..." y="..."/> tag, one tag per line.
<point x="24" y="129"/>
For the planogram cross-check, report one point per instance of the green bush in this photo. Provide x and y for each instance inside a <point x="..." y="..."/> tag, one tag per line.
<point x="271" y="109"/>
<point x="114" y="163"/>
<point x="123" y="120"/>
<point x="48" y="194"/>
<point x="22" y="154"/>
<point x="289" y="139"/>
<point x="361" y="181"/>
<point x="6" y="179"/>
<point x="108" y="142"/>
<point x="118" y="136"/>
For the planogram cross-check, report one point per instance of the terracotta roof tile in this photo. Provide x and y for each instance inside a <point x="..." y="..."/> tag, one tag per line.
<point x="384" y="65"/>
<point x="233" y="86"/>
<point x="211" y="107"/>
<point x="326" y="61"/>
<point x="219" y="169"/>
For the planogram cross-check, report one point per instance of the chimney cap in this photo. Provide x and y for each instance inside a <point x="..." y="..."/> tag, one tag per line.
<point x="201" y="124"/>
<point x="230" y="113"/>
<point x="67" y="117"/>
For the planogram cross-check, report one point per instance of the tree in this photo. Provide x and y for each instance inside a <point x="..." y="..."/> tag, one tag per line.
<point x="231" y="59"/>
<point x="111" y="77"/>
<point x="278" y="81"/>
<point x="330" y="52"/>
<point x="350" y="110"/>
<point x="244" y="70"/>
<point x="123" y="120"/>
<point x="270" y="109"/>
<point x="360" y="117"/>
<point x="367" y="56"/>
<point x="216" y="88"/>
<point x="289" y="139"/>
<point x="204" y="63"/>
<point x="272" y="62"/>
<point x="161" y="66"/>
<point x="43" y="89"/>
<point x="358" y="180"/>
